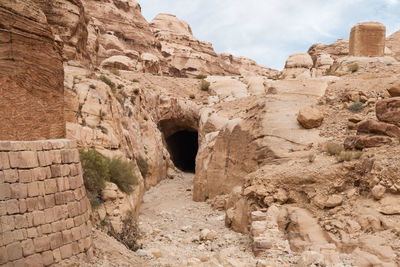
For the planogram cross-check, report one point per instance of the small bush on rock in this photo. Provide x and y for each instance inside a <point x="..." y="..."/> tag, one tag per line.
<point x="356" y="107"/>
<point x="107" y="81"/>
<point x="122" y="174"/>
<point x="204" y="85"/>
<point x="334" y="148"/>
<point x="95" y="173"/>
<point x="115" y="72"/>
<point x="353" y="67"/>
<point x="130" y="232"/>
<point x="349" y="155"/>
<point x="201" y="76"/>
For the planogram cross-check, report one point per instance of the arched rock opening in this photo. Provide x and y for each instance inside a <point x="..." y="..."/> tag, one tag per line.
<point x="182" y="143"/>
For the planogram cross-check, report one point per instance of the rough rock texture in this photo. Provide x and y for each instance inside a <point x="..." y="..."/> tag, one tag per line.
<point x="44" y="211"/>
<point x="388" y="110"/>
<point x="392" y="42"/>
<point x="298" y="66"/>
<point x="68" y="22"/>
<point x="31" y="75"/>
<point x="310" y="117"/>
<point x="186" y="55"/>
<point x="367" y="39"/>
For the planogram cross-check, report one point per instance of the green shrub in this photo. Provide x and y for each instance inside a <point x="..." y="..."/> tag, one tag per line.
<point x="92" y="86"/>
<point x="122" y="174"/>
<point x="115" y="72"/>
<point x="356" y="107"/>
<point x="201" y="76"/>
<point x="334" y="148"/>
<point x="135" y="80"/>
<point x="353" y="67"/>
<point x="192" y="96"/>
<point x="107" y="81"/>
<point x="95" y="173"/>
<point x="143" y="165"/>
<point x="204" y="85"/>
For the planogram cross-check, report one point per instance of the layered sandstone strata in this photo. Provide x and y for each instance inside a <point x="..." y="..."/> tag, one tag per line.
<point x="367" y="39"/>
<point x="44" y="211"/>
<point x="31" y="74"/>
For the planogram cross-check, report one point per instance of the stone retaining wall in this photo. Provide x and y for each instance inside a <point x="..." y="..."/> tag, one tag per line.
<point x="44" y="211"/>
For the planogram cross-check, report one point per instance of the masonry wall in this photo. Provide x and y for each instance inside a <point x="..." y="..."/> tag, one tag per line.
<point x="44" y="211"/>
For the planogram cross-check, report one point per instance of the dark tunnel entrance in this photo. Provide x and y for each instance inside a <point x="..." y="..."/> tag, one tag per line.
<point x="183" y="146"/>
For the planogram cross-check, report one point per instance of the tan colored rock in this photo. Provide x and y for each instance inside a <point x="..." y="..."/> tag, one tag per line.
<point x="388" y="110"/>
<point x="310" y="117"/>
<point x="378" y="191"/>
<point x="394" y="90"/>
<point x="110" y="192"/>
<point x="334" y="201"/>
<point x="119" y="62"/>
<point x="380" y="128"/>
<point x="365" y="141"/>
<point x="367" y="39"/>
<point x="299" y="60"/>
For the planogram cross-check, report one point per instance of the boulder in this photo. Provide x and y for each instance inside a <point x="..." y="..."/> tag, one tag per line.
<point x="378" y="128"/>
<point x="119" y="62"/>
<point x="365" y="141"/>
<point x="299" y="60"/>
<point x="394" y="90"/>
<point x="388" y="110"/>
<point x="378" y="191"/>
<point x="334" y="201"/>
<point x="310" y="117"/>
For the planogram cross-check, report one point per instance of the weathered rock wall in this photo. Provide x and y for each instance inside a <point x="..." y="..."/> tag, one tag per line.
<point x="44" y="211"/>
<point x="31" y="75"/>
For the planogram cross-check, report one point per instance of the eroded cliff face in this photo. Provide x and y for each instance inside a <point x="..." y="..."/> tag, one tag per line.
<point x="257" y="157"/>
<point x="31" y="74"/>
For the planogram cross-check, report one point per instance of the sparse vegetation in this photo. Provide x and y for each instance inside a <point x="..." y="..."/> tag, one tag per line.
<point x="192" y="96"/>
<point x="204" y="85"/>
<point x="95" y="173"/>
<point x="334" y="148"/>
<point x="135" y="80"/>
<point x="348" y="155"/>
<point x="122" y="174"/>
<point x="353" y="67"/>
<point x="356" y="107"/>
<point x="201" y="76"/>
<point x="107" y="81"/>
<point x="91" y="86"/>
<point x="98" y="169"/>
<point x="120" y="86"/>
<point x="311" y="157"/>
<point x="133" y="100"/>
<point x="143" y="165"/>
<point x="130" y="232"/>
<point x="115" y="72"/>
<point x="293" y="76"/>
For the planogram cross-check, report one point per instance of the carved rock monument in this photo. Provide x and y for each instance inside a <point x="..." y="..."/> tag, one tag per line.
<point x="367" y="39"/>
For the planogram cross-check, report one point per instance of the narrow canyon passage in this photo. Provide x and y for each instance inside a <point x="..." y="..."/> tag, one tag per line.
<point x="171" y="223"/>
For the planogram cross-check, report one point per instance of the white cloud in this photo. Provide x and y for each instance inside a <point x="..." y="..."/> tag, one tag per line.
<point x="269" y="31"/>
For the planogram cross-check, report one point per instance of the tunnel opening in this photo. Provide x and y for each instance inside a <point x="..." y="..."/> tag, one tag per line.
<point x="183" y="146"/>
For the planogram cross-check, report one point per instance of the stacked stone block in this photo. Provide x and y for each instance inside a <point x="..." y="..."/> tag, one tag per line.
<point x="44" y="211"/>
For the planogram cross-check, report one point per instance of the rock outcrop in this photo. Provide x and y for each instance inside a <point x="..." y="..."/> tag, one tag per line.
<point x="31" y="74"/>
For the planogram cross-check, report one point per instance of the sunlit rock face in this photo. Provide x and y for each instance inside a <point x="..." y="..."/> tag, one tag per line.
<point x="367" y="39"/>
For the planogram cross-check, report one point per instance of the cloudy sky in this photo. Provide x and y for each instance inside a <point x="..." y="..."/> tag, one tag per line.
<point x="268" y="31"/>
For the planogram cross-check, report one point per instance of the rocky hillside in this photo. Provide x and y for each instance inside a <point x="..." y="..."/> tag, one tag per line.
<point x="303" y="162"/>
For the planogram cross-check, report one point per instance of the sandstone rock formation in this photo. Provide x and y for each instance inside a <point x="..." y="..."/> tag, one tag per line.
<point x="368" y="40"/>
<point x="31" y="74"/>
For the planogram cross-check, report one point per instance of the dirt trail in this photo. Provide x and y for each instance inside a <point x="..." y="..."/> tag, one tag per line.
<point x="172" y="225"/>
